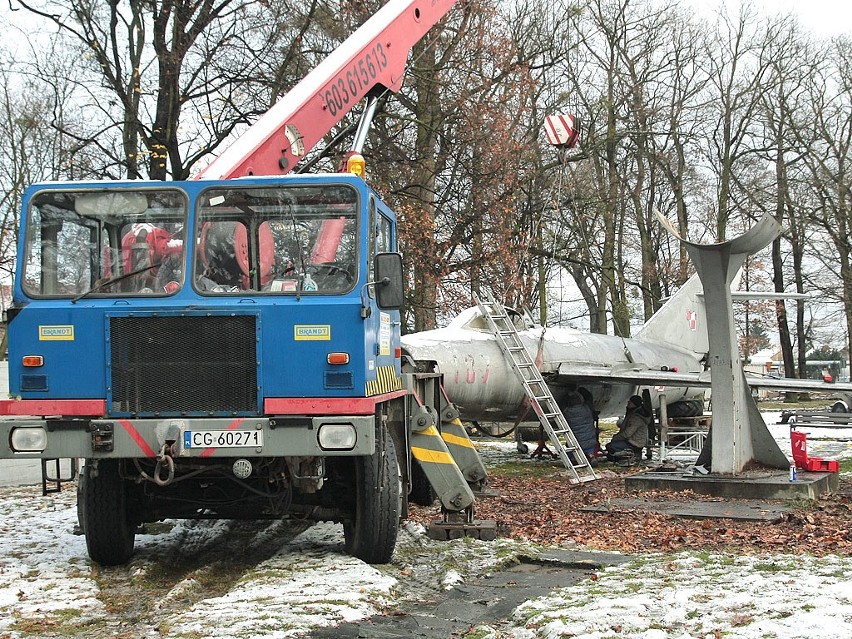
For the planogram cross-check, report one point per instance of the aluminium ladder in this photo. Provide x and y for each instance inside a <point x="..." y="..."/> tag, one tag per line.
<point x="537" y="390"/>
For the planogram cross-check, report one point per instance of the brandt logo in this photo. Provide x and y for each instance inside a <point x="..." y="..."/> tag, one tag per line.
<point x="304" y="332"/>
<point x="64" y="332"/>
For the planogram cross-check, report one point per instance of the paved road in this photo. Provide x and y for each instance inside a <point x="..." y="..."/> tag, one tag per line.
<point x="16" y="472"/>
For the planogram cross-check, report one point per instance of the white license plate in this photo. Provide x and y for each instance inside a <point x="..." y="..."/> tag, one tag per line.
<point x="222" y="438"/>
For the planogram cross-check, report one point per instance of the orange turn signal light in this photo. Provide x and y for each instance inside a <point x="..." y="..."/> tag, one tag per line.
<point x="338" y="358"/>
<point x="33" y="360"/>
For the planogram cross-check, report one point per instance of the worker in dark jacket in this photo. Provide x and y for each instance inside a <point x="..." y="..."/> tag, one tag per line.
<point x="632" y="435"/>
<point x="581" y="420"/>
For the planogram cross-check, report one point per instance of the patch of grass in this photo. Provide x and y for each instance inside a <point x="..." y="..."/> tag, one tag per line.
<point x="773" y="567"/>
<point x="157" y="527"/>
<point x="190" y="635"/>
<point x="527" y="468"/>
<point x="68" y="622"/>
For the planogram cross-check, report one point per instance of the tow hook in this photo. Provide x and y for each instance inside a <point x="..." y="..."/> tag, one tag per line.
<point x="164" y="459"/>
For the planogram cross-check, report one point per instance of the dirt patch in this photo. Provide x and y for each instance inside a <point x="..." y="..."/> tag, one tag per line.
<point x="542" y="507"/>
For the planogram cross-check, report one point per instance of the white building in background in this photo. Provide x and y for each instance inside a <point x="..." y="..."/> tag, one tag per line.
<point x="766" y="362"/>
<point x="770" y="362"/>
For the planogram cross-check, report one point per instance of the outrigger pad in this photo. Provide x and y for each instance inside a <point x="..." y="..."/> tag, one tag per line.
<point x="484" y="530"/>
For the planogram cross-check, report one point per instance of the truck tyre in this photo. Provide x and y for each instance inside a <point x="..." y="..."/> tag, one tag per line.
<point x="370" y="534"/>
<point x="422" y="492"/>
<point x="106" y="517"/>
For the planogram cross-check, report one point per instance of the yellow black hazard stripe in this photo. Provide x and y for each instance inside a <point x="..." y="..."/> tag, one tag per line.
<point x="459" y="438"/>
<point x="438" y="454"/>
<point x="386" y="381"/>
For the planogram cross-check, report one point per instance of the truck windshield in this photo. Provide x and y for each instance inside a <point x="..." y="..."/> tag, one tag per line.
<point x="109" y="242"/>
<point x="277" y="240"/>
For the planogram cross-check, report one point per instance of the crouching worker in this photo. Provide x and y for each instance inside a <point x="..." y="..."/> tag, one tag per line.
<point x="632" y="436"/>
<point x="581" y="420"/>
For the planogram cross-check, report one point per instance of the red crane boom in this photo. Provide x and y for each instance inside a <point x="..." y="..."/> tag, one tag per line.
<point x="374" y="56"/>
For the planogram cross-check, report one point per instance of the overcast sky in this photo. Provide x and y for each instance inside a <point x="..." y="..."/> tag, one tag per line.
<point x="825" y="18"/>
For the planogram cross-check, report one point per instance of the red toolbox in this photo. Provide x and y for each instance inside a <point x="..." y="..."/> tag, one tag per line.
<point x="799" y="442"/>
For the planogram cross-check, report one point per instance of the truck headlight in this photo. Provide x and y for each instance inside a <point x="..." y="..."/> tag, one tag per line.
<point x="28" y="439"/>
<point x="337" y="436"/>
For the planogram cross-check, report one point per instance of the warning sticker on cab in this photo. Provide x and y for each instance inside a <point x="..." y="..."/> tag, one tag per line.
<point x="303" y="332"/>
<point x="384" y="334"/>
<point x="60" y="332"/>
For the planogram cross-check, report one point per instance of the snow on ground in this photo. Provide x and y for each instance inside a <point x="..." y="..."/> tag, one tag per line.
<point x="301" y="580"/>
<point x="308" y="584"/>
<point x="692" y="595"/>
<point x="49" y="588"/>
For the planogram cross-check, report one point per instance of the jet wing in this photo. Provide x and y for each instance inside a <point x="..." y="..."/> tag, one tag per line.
<point x="639" y="375"/>
<point x="634" y="374"/>
<point x="791" y="384"/>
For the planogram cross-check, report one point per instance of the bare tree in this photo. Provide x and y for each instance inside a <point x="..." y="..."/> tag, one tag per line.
<point x="461" y="192"/>
<point x="825" y="127"/>
<point x="35" y="150"/>
<point x="739" y="68"/>
<point x="790" y="64"/>
<point x="167" y="78"/>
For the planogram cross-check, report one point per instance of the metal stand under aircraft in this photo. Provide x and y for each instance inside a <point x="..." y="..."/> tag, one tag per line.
<point x="739" y="436"/>
<point x="744" y="459"/>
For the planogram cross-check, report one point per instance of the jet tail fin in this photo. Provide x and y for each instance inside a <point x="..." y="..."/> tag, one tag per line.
<point x="681" y="321"/>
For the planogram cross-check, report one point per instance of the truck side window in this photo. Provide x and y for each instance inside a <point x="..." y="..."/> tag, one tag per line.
<point x="385" y="237"/>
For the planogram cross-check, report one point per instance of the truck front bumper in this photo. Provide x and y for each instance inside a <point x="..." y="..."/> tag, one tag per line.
<point x="333" y="435"/>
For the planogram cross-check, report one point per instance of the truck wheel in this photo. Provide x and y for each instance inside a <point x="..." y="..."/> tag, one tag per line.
<point x="106" y="517"/>
<point x="370" y="535"/>
<point x="422" y="492"/>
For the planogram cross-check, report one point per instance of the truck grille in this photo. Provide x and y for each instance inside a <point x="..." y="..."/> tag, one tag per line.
<point x="183" y="364"/>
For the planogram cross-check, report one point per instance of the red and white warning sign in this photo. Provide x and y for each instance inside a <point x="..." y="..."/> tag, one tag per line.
<point x="562" y="130"/>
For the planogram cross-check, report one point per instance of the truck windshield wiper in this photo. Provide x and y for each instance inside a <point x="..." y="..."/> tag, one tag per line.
<point x="113" y="280"/>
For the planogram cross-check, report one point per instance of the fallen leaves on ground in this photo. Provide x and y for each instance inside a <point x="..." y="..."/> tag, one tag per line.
<point x="549" y="510"/>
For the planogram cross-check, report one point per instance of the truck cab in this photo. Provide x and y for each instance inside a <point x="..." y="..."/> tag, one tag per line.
<point x="258" y="289"/>
<point x="229" y="347"/>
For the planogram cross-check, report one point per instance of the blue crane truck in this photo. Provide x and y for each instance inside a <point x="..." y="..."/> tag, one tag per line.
<point x="230" y="348"/>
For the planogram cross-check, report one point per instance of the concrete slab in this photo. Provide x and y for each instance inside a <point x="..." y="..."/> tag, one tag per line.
<point x="742" y="510"/>
<point x="488" y="600"/>
<point x="764" y="484"/>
